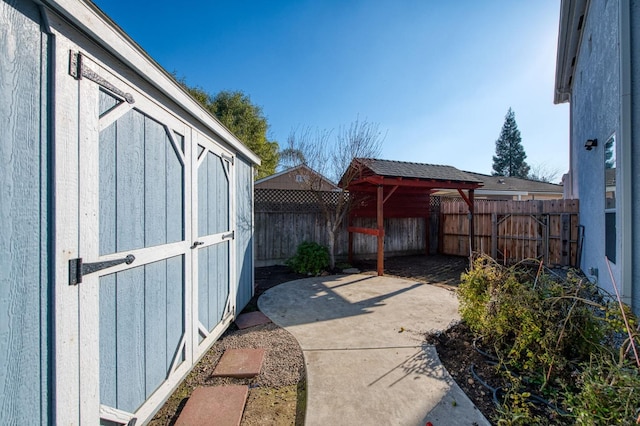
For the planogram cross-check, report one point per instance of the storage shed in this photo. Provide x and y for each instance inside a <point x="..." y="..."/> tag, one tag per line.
<point x="127" y="223"/>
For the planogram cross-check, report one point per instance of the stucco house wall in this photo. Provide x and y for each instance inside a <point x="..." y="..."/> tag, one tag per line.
<point x="595" y="111"/>
<point x="598" y="73"/>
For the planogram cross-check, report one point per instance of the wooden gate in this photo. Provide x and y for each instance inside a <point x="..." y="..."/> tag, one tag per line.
<point x="520" y="236"/>
<point x="511" y="231"/>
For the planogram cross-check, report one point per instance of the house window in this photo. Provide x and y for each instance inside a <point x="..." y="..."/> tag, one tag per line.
<point x="302" y="178"/>
<point x="610" y="197"/>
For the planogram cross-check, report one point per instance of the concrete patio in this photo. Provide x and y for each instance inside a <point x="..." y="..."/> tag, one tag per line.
<point x="363" y="343"/>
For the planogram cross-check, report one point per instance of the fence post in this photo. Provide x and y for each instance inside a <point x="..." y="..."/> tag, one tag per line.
<point x="547" y="223"/>
<point x="565" y="248"/>
<point x="494" y="235"/>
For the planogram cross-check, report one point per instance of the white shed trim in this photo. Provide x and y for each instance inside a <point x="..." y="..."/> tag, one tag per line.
<point x="91" y="20"/>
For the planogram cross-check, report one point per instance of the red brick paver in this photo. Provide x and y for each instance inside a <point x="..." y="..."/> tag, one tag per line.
<point x="251" y="319"/>
<point x="240" y="363"/>
<point x="214" y="406"/>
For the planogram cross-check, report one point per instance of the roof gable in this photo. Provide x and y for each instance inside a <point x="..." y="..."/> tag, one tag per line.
<point x="318" y="178"/>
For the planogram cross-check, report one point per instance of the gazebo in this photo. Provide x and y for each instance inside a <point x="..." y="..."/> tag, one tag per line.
<point x="385" y="188"/>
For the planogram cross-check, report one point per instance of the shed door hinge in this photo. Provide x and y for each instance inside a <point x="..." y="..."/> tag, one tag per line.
<point x="228" y="158"/>
<point x="229" y="236"/>
<point x="77" y="268"/>
<point x="78" y="70"/>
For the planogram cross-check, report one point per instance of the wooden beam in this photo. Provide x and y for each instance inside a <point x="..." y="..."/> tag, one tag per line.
<point x="380" y="219"/>
<point x="472" y="230"/>
<point x="416" y="183"/>
<point x="465" y="198"/>
<point x="390" y="194"/>
<point x="367" y="231"/>
<point x="350" y="237"/>
<point x="427" y="231"/>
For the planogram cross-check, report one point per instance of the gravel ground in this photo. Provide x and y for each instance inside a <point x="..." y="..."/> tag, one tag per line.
<point x="281" y="379"/>
<point x="283" y="366"/>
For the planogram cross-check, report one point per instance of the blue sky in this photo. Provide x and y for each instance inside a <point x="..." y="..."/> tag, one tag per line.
<point x="437" y="76"/>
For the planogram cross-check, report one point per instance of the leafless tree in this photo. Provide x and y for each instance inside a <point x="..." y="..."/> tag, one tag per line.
<point x="543" y="173"/>
<point x="330" y="157"/>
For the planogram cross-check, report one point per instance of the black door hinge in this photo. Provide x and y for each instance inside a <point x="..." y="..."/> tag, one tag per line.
<point x="77" y="268"/>
<point x="78" y="70"/>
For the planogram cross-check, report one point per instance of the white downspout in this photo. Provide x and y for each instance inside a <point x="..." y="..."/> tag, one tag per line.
<point x="625" y="154"/>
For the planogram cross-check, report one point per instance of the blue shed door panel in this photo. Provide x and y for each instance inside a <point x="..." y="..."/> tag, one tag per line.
<point x="25" y="265"/>
<point x="213" y="196"/>
<point x="141" y="184"/>
<point x="141" y="328"/>
<point x="213" y="219"/>
<point x="141" y="206"/>
<point x="213" y="283"/>
<point x="244" y="233"/>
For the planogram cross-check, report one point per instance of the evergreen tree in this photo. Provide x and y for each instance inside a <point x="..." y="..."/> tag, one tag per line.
<point x="510" y="155"/>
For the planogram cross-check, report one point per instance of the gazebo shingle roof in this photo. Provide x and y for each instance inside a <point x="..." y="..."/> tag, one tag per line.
<point x="390" y="168"/>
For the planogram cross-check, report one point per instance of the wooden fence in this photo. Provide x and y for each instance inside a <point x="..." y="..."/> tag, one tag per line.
<point x="507" y="230"/>
<point x="511" y="231"/>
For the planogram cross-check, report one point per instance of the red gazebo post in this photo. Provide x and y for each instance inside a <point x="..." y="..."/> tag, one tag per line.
<point x="380" y="220"/>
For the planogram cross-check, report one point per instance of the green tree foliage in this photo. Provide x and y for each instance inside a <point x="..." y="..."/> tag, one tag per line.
<point x="235" y="110"/>
<point x="510" y="155"/>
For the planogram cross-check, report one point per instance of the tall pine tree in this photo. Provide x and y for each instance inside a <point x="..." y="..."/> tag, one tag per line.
<point x="510" y="155"/>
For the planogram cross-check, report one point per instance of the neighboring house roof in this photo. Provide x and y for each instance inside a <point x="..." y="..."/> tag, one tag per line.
<point x="511" y="186"/>
<point x="325" y="183"/>
<point x="507" y="183"/>
<point x="572" y="18"/>
<point x="390" y="168"/>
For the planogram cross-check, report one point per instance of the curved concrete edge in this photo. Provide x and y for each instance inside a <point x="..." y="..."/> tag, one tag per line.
<point x="363" y="343"/>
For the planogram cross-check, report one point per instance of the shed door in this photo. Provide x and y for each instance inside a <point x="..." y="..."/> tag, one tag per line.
<point x="156" y="223"/>
<point x="134" y="201"/>
<point x="213" y="233"/>
<point x="140" y="302"/>
<point x="141" y="213"/>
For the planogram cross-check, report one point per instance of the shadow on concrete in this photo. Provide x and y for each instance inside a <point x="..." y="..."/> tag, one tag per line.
<point x="422" y="363"/>
<point x="328" y="298"/>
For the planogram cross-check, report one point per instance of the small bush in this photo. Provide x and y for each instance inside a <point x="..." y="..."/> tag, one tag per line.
<point x="558" y="336"/>
<point x="310" y="258"/>
<point x="536" y="324"/>
<point x="609" y="393"/>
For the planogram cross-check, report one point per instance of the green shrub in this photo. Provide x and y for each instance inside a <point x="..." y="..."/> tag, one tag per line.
<point x="558" y="336"/>
<point x="536" y="324"/>
<point x="310" y="258"/>
<point x="608" y="394"/>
